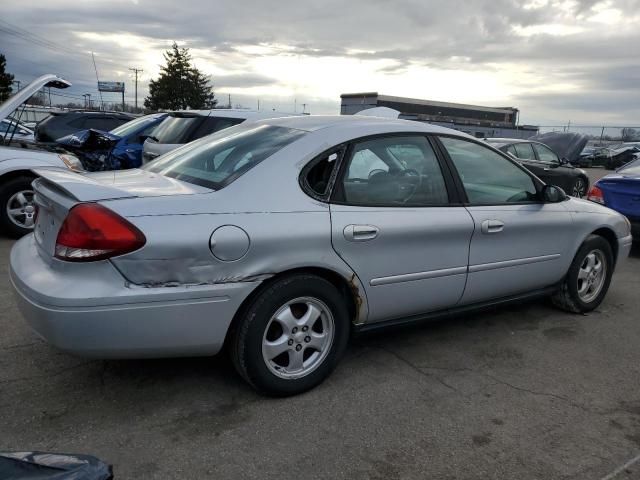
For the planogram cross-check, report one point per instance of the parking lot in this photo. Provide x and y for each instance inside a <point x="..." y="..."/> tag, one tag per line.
<point x="524" y="391"/>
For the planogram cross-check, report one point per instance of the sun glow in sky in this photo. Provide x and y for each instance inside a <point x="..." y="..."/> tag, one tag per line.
<point x="554" y="59"/>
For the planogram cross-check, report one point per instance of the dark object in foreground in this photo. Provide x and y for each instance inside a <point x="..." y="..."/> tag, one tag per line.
<point x="52" y="466"/>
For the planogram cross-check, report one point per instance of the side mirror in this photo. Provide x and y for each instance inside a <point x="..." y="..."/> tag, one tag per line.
<point x="553" y="194"/>
<point x="564" y="161"/>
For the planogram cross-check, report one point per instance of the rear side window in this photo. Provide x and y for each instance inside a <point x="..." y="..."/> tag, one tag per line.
<point x="214" y="124"/>
<point x="216" y="161"/>
<point x="524" y="151"/>
<point x="174" y="129"/>
<point x="487" y="176"/>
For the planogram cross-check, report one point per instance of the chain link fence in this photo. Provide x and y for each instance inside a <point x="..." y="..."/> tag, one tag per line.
<point x="599" y="136"/>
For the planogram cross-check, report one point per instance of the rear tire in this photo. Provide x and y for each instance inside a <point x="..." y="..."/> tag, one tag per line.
<point x="588" y="278"/>
<point x="17" y="212"/>
<point x="580" y="187"/>
<point x="291" y="336"/>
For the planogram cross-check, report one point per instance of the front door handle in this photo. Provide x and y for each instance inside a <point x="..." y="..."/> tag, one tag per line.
<point x="360" y="233"/>
<point x="492" y="226"/>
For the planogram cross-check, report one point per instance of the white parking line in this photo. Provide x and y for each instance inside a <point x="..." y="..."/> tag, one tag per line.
<point x="619" y="470"/>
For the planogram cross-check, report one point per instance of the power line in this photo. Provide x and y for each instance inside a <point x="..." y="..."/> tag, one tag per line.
<point x="23" y="34"/>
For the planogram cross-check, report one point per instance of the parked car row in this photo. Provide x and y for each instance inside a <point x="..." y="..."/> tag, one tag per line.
<point x="300" y="231"/>
<point x="610" y="158"/>
<point x="546" y="164"/>
<point x="281" y="237"/>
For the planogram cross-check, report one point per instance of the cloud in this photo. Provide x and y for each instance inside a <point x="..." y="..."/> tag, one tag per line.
<point x="529" y="54"/>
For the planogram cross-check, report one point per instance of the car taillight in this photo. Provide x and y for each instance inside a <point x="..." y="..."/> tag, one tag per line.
<point x="92" y="232"/>
<point x="595" y="195"/>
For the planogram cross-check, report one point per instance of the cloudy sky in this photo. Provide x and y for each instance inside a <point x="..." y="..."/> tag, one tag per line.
<point x="558" y="61"/>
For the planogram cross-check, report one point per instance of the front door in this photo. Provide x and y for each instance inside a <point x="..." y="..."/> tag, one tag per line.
<point x="519" y="243"/>
<point x="393" y="223"/>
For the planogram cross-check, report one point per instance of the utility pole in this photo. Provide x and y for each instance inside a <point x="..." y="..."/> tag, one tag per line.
<point x="136" y="71"/>
<point x="229" y="100"/>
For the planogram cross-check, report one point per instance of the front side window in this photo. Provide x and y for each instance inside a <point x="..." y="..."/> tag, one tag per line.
<point x="545" y="154"/>
<point x="524" y="151"/>
<point x="217" y="160"/>
<point x="487" y="176"/>
<point x="394" y="171"/>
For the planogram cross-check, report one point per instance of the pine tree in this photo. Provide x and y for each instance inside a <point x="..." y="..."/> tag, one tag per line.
<point x="180" y="85"/>
<point x="6" y="79"/>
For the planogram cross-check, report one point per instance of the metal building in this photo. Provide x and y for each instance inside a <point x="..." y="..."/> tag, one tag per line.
<point x="476" y="120"/>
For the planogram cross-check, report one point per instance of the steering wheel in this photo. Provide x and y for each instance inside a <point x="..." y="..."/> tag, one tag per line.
<point x="413" y="182"/>
<point x="375" y="171"/>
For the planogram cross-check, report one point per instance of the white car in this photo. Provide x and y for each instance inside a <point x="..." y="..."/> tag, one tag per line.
<point x="188" y="125"/>
<point x="16" y="132"/>
<point x="17" y="210"/>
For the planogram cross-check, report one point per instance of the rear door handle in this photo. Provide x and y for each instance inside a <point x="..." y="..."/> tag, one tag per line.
<point x="360" y="233"/>
<point x="492" y="226"/>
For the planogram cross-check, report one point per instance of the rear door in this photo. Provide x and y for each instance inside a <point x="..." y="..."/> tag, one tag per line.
<point x="395" y="221"/>
<point x="518" y="243"/>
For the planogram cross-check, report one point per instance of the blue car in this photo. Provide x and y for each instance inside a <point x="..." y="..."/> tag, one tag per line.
<point x="118" y="149"/>
<point x="620" y="191"/>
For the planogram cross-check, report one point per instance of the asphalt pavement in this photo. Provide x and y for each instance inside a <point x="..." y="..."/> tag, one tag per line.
<point x="521" y="392"/>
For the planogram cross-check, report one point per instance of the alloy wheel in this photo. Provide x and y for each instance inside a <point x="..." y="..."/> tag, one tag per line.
<point x="592" y="275"/>
<point x="579" y="188"/>
<point x="21" y="209"/>
<point x="298" y="338"/>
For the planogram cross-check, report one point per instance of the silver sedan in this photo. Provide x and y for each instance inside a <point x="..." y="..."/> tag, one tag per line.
<point x="278" y="239"/>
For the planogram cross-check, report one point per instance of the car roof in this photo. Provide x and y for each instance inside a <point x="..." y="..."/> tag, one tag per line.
<point x="312" y="123"/>
<point x="232" y="113"/>
<point x="505" y="141"/>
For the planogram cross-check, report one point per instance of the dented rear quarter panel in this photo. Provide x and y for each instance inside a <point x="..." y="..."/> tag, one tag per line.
<point x="287" y="230"/>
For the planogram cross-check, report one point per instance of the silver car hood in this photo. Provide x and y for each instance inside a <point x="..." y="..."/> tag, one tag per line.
<point x="17" y="99"/>
<point x="118" y="184"/>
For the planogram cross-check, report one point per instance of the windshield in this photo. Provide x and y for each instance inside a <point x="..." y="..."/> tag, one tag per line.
<point x="631" y="168"/>
<point x="133" y="126"/>
<point x="217" y="160"/>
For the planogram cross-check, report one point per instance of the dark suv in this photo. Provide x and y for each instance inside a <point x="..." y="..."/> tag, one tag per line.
<point x="545" y="164"/>
<point x="58" y="125"/>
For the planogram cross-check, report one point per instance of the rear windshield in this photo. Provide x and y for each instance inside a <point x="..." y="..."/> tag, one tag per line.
<point x="176" y="129"/>
<point x="128" y="128"/>
<point x="217" y="160"/>
<point x="632" y="168"/>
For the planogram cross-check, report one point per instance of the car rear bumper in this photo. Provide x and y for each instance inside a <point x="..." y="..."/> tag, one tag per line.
<point x="89" y="310"/>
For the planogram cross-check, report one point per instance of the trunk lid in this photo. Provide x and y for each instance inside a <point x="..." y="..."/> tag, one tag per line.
<point x="57" y="191"/>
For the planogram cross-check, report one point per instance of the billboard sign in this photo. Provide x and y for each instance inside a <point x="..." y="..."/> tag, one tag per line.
<point x="111" y="87"/>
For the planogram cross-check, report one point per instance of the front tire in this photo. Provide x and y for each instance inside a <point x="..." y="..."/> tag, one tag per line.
<point x="17" y="210"/>
<point x="291" y="336"/>
<point x="588" y="278"/>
